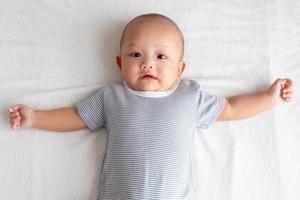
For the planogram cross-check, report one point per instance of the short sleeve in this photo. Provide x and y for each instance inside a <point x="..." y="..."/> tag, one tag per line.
<point x="91" y="111"/>
<point x="209" y="107"/>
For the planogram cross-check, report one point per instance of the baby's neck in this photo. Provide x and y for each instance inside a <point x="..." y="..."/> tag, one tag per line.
<point x="151" y="93"/>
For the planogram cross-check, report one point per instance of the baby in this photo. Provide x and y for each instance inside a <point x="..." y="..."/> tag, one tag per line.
<point x="150" y="116"/>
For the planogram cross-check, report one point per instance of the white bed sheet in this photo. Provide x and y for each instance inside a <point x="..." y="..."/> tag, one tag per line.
<point x="54" y="53"/>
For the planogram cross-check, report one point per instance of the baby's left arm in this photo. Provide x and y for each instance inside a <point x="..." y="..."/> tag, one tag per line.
<point x="244" y="106"/>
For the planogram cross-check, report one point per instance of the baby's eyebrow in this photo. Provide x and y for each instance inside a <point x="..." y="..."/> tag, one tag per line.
<point x="157" y="46"/>
<point x="132" y="45"/>
<point x="163" y="45"/>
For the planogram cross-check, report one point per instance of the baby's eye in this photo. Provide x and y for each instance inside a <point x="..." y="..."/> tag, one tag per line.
<point x="161" y="56"/>
<point x="136" y="54"/>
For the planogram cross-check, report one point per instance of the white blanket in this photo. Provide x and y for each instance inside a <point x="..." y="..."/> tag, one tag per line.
<point x="54" y="53"/>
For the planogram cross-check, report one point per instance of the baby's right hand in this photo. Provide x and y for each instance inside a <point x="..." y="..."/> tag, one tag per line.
<point x="21" y="116"/>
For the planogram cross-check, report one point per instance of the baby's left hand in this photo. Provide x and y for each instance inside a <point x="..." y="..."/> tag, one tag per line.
<point x="280" y="91"/>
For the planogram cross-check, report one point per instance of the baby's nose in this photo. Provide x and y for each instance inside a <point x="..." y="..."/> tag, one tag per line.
<point x="148" y="65"/>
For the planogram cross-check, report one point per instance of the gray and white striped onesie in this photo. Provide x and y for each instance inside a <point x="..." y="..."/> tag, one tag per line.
<point x="148" y="152"/>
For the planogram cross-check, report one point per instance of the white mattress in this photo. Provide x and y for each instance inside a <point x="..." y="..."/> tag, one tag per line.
<point x="54" y="53"/>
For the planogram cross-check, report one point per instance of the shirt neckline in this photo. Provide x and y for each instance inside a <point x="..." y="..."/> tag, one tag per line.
<point x="153" y="94"/>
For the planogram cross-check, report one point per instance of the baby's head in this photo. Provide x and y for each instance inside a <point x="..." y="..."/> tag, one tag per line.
<point x="151" y="53"/>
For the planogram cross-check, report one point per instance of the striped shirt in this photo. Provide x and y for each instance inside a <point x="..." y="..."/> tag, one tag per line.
<point x="148" y="151"/>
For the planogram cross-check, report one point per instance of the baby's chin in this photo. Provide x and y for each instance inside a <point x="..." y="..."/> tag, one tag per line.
<point x="148" y="87"/>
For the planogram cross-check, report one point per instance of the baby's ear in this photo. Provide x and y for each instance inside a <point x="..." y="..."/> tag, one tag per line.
<point x="118" y="60"/>
<point x="181" y="68"/>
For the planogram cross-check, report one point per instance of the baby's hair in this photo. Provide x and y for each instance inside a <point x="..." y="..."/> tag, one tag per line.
<point x="154" y="16"/>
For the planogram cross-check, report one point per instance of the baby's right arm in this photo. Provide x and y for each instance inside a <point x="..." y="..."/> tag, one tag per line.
<point x="62" y="119"/>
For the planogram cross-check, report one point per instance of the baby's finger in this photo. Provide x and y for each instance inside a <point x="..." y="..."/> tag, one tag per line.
<point x="14" y="126"/>
<point x="14" y="114"/>
<point x="289" y="81"/>
<point x="287" y="95"/>
<point x="16" y="107"/>
<point x="17" y="125"/>
<point x="288" y="98"/>
<point x="12" y="120"/>
<point x="287" y="90"/>
<point x="15" y="120"/>
<point x="13" y="109"/>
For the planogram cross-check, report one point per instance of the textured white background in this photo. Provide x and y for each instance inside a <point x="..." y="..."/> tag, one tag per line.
<point x="54" y="53"/>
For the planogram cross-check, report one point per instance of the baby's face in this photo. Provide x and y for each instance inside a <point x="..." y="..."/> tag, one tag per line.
<point x="150" y="57"/>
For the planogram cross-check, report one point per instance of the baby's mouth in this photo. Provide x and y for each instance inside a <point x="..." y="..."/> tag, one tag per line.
<point x="148" y="76"/>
